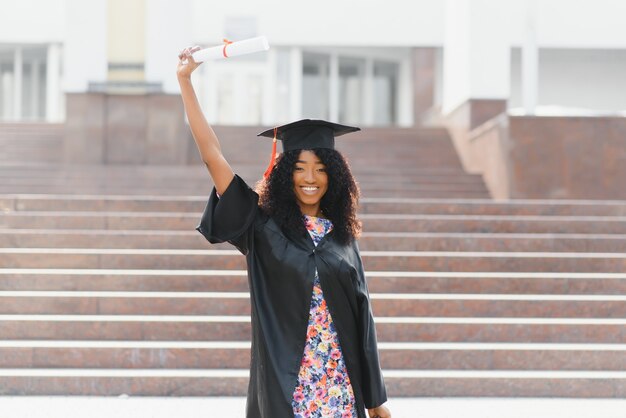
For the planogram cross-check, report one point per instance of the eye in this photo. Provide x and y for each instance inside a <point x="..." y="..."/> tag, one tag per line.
<point x="322" y="170"/>
<point x="298" y="168"/>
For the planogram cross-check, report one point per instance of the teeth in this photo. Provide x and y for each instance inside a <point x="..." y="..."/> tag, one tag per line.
<point x="310" y="189"/>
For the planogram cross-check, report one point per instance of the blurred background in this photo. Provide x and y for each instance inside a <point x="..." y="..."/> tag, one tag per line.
<point x="454" y="64"/>
<point x="491" y="163"/>
<point x="359" y="62"/>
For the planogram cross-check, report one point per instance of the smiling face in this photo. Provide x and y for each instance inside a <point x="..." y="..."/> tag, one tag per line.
<point x="310" y="182"/>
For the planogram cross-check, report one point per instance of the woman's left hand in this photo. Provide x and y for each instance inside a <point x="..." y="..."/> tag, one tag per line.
<point x="379" y="412"/>
<point x="186" y="63"/>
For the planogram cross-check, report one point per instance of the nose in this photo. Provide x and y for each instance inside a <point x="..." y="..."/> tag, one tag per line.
<point x="309" y="176"/>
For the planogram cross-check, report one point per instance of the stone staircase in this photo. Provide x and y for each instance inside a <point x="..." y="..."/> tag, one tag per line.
<point x="31" y="141"/>
<point x="105" y="287"/>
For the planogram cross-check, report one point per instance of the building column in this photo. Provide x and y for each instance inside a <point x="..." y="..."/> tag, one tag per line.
<point x="53" y="83"/>
<point x="404" y="106"/>
<point x="333" y="87"/>
<point x="476" y="69"/>
<point x="476" y="52"/>
<point x="34" y="90"/>
<point x="18" y="65"/>
<point x="209" y="78"/>
<point x="239" y="94"/>
<point x="7" y="97"/>
<point x="368" y="92"/>
<point x="268" y="115"/>
<point x="530" y="60"/>
<point x="295" y="77"/>
<point x="425" y="76"/>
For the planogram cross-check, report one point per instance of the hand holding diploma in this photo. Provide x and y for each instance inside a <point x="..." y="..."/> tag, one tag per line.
<point x="186" y="63"/>
<point x="232" y="49"/>
<point x="191" y="57"/>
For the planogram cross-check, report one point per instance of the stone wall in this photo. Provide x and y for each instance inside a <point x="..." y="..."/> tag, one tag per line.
<point x="547" y="157"/>
<point x="126" y="129"/>
<point x="568" y="157"/>
<point x="466" y="118"/>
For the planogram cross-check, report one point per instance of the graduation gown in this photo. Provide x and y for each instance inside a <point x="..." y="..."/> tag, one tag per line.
<point x="281" y="270"/>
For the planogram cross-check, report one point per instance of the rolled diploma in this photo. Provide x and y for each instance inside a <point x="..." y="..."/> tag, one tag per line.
<point x="247" y="46"/>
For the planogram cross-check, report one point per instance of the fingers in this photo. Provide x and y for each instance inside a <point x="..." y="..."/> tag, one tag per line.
<point x="186" y="53"/>
<point x="379" y="412"/>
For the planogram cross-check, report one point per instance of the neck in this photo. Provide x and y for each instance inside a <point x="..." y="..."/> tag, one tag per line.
<point x="311" y="211"/>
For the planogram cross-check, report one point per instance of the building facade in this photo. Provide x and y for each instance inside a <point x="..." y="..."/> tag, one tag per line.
<point x="397" y="64"/>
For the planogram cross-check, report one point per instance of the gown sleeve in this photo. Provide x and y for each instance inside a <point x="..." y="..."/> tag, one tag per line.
<point x="230" y="217"/>
<point x="374" y="391"/>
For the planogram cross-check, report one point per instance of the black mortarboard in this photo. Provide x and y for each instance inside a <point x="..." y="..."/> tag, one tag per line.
<point x="305" y="134"/>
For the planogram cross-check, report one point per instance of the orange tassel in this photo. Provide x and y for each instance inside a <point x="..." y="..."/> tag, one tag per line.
<point x="226" y="43"/>
<point x="270" y="167"/>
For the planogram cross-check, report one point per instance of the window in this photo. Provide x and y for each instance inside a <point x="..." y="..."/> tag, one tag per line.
<point x="31" y="86"/>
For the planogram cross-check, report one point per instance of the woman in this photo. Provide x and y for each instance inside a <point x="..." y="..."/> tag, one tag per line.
<point x="314" y="348"/>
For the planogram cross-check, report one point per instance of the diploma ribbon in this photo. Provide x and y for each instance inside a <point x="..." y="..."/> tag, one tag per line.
<point x="270" y="167"/>
<point x="226" y="43"/>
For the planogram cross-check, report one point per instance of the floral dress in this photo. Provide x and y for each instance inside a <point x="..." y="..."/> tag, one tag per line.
<point x="323" y="389"/>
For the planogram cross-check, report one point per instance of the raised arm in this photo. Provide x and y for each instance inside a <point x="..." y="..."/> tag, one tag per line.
<point x="206" y="140"/>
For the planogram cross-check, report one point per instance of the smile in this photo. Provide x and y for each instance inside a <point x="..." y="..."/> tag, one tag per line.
<point x="309" y="189"/>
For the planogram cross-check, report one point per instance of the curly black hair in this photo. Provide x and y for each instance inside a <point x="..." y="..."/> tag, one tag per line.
<point x="277" y="197"/>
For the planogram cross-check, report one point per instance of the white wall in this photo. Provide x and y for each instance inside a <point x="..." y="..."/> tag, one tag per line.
<point x="489" y="49"/>
<point x="168" y="30"/>
<point x="456" y="54"/>
<point x="328" y="22"/>
<point x="85" y="51"/>
<point x="561" y="23"/>
<point x="32" y="21"/>
<point x="574" y="23"/>
<point x="578" y="78"/>
<point x="476" y="52"/>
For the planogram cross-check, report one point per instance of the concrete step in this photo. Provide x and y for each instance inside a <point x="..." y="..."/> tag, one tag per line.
<point x="117" y="382"/>
<point x="235" y="406"/>
<point x="404" y="171"/>
<point x="31" y="141"/>
<point x="253" y="167"/>
<point x="369" y="205"/>
<point x="399" y="167"/>
<point x="502" y="242"/>
<point x="494" y="223"/>
<point x="235" y="140"/>
<point x="460" y="193"/>
<point x="367" y="187"/>
<point x="371" y="222"/>
<point x="383" y="304"/>
<point x="237" y="328"/>
<point x="166" y="303"/>
<point x="114" y="382"/>
<point x="373" y="241"/>
<point x="234" y="383"/>
<point x="593" y="283"/>
<point x="236" y="355"/>
<point x="373" y="260"/>
<point x="390" y="177"/>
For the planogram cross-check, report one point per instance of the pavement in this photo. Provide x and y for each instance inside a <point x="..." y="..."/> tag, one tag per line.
<point x="234" y="407"/>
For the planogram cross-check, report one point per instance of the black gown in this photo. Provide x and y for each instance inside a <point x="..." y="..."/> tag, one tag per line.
<point x="281" y="270"/>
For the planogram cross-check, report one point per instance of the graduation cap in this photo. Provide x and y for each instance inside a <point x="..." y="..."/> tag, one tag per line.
<point x="305" y="134"/>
